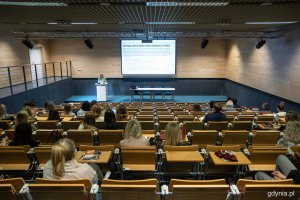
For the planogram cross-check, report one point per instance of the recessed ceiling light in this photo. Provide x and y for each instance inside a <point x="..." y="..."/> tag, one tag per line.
<point x="72" y="23"/>
<point x="30" y="3"/>
<point x="266" y="4"/>
<point x="267" y="23"/>
<point x="187" y="3"/>
<point x="158" y="23"/>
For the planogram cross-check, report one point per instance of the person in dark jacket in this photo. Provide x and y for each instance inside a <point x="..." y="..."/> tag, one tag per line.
<point x="110" y="121"/>
<point x="217" y="115"/>
<point x="23" y="133"/>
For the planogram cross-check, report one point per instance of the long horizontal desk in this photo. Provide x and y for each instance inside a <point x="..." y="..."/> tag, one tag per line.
<point x="152" y="92"/>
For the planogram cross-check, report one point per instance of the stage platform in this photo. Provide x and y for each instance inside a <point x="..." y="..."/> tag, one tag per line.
<point x="117" y="99"/>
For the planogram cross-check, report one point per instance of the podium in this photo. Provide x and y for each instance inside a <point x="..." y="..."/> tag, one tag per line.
<point x="102" y="91"/>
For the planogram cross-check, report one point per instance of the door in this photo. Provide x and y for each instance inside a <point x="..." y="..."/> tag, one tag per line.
<point x="35" y="56"/>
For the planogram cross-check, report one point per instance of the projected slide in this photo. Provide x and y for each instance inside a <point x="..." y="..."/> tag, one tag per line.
<point x="157" y="58"/>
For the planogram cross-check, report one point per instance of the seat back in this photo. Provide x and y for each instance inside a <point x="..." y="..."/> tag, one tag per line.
<point x="147" y="125"/>
<point x="176" y="113"/>
<point x="182" y="118"/>
<point x="162" y="125"/>
<point x="145" y="118"/>
<point x="266" y="155"/>
<point x="70" y="125"/>
<point x="99" y="148"/>
<point x="110" y="137"/>
<point x="181" y="148"/>
<point x="193" y="125"/>
<point x="245" y="118"/>
<point x="211" y="148"/>
<point x="235" y="137"/>
<point x="269" y="118"/>
<point x="195" y="182"/>
<point x="243" y="182"/>
<point x="271" y="191"/>
<point x="139" y="158"/>
<point x="10" y="133"/>
<point x="42" y="154"/>
<point x="17" y="183"/>
<point x="265" y="138"/>
<point x="202" y="138"/>
<point x="48" y="136"/>
<point x="165" y="118"/>
<point x="86" y="182"/>
<point x="197" y="189"/>
<point x="58" y="191"/>
<point x="219" y="126"/>
<point x="47" y="124"/>
<point x="81" y="137"/>
<point x="7" y="191"/>
<point x="129" y="189"/>
<point x="14" y="158"/>
<point x="241" y="125"/>
<point x="5" y="124"/>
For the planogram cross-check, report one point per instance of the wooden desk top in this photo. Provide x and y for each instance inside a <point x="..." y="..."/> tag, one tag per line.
<point x="242" y="159"/>
<point x="261" y="167"/>
<point x="14" y="167"/>
<point x="263" y="127"/>
<point x="103" y="158"/>
<point x="65" y="119"/>
<point x="139" y="167"/>
<point x="184" y="156"/>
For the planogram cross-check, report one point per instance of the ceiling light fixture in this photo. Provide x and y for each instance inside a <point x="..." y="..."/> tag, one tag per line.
<point x="31" y="3"/>
<point x="267" y="23"/>
<point x="89" y="43"/>
<point x="260" y="43"/>
<point x="187" y="3"/>
<point x="165" y="23"/>
<point x="204" y="43"/>
<point x="27" y="43"/>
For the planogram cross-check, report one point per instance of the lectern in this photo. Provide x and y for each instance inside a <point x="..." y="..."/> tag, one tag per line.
<point x="102" y="91"/>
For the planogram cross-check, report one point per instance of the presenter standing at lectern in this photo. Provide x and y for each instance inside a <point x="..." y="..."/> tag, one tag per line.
<point x="101" y="79"/>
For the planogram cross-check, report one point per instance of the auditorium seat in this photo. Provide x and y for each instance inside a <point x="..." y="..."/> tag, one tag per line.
<point x="110" y="137"/>
<point x="198" y="189"/>
<point x="239" y="137"/>
<point x="10" y="133"/>
<point x="80" y="137"/>
<point x="202" y="138"/>
<point x="265" y="138"/>
<point x="165" y="118"/>
<point x="48" y="136"/>
<point x="263" y="158"/>
<point x="241" y="183"/>
<point x="5" y="124"/>
<point x="9" y="188"/>
<point x="219" y="126"/>
<point x="42" y="155"/>
<point x="241" y="125"/>
<point x="192" y="125"/>
<point x="129" y="189"/>
<point x="70" y="125"/>
<point x="145" y="117"/>
<point x="14" y="158"/>
<point x="48" y="124"/>
<point x="147" y="125"/>
<point x="162" y="125"/>
<point x="245" y="118"/>
<point x="182" y="118"/>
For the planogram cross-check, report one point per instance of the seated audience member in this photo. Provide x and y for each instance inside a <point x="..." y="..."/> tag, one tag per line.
<point x="93" y="103"/>
<point x="68" y="110"/>
<point x="3" y="113"/>
<point x="32" y="104"/>
<point x="97" y="110"/>
<point x="280" y="111"/>
<point x="45" y="109"/>
<point x="121" y="113"/>
<point x="30" y="116"/>
<point x="217" y="115"/>
<point x="285" y="169"/>
<point x="85" y="107"/>
<point x="196" y="107"/>
<point x="265" y="106"/>
<point x="63" y="165"/>
<point x="110" y="121"/>
<point x="235" y="104"/>
<point x="23" y="131"/>
<point x="290" y="116"/>
<point x="133" y="135"/>
<point x="53" y="114"/>
<point x="291" y="135"/>
<point x="173" y="135"/>
<point x="229" y="106"/>
<point x="88" y="122"/>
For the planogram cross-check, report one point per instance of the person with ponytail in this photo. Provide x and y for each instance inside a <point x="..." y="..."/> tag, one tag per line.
<point x="63" y="165"/>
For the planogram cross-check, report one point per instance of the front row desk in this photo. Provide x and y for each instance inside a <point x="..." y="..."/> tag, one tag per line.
<point x="102" y="91"/>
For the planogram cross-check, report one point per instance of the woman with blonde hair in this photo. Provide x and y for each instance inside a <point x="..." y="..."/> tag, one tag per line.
<point x="173" y="134"/>
<point x="133" y="135"/>
<point x="63" y="165"/>
<point x="88" y="122"/>
<point x="291" y="135"/>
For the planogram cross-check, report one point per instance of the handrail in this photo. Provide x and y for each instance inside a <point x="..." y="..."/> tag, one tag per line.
<point x="35" y="74"/>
